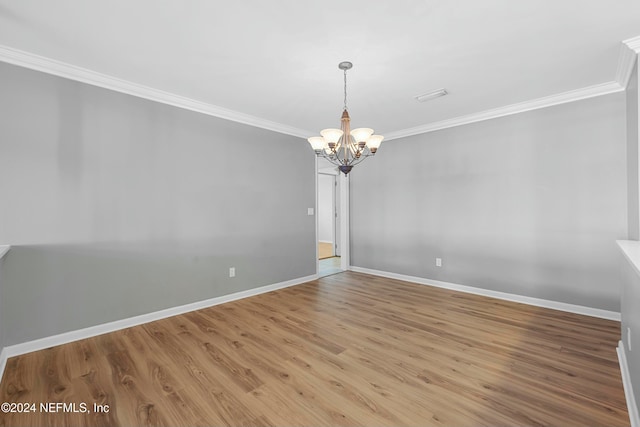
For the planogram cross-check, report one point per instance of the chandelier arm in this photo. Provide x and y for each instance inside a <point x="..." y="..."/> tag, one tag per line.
<point x="362" y="157"/>
<point x="346" y="155"/>
<point x="359" y="160"/>
<point x="330" y="160"/>
<point x="337" y="162"/>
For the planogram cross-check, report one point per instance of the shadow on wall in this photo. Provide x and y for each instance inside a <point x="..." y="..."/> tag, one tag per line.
<point x="71" y="287"/>
<point x="557" y="275"/>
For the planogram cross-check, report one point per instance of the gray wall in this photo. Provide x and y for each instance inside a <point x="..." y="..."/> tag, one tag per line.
<point x="529" y="204"/>
<point x="117" y="206"/>
<point x="630" y="297"/>
<point x="633" y="190"/>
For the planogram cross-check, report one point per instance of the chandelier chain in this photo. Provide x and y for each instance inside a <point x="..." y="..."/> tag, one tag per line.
<point x="345" y="89"/>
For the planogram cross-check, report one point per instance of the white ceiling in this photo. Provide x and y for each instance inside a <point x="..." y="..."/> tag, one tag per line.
<point x="278" y="60"/>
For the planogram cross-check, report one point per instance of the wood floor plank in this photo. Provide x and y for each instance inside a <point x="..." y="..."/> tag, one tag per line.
<point x="349" y="349"/>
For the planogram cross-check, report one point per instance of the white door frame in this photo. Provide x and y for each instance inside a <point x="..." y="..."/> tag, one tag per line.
<point x="345" y="260"/>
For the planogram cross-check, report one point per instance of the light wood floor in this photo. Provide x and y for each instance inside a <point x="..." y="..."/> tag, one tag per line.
<point x="325" y="250"/>
<point x="348" y="349"/>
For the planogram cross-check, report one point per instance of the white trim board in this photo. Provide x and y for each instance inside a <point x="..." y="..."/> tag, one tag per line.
<point x="628" y="389"/>
<point x="521" y="107"/>
<point x="629" y="50"/>
<point x="3" y="361"/>
<point x="631" y="251"/>
<point x="92" y="331"/>
<point x="633" y="44"/>
<point x="3" y="250"/>
<point x="72" y="72"/>
<point x="538" y="302"/>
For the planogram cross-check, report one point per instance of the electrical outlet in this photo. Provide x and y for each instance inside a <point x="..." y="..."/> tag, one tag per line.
<point x="438" y="262"/>
<point x="629" y="338"/>
<point x="232" y="272"/>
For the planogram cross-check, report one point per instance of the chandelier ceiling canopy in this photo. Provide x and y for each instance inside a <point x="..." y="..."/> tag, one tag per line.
<point x="344" y="147"/>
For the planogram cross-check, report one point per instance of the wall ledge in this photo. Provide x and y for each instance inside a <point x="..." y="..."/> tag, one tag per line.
<point x="3" y="362"/>
<point x="3" y="250"/>
<point x="631" y="251"/>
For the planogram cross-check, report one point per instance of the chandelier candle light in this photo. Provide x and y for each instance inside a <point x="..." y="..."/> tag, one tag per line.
<point x="344" y="147"/>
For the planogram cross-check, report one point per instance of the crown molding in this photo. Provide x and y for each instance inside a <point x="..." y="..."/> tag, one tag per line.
<point x="629" y="50"/>
<point x="547" y="101"/>
<point x="68" y="71"/>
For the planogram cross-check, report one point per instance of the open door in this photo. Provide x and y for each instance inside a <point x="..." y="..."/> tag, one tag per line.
<point x="327" y="241"/>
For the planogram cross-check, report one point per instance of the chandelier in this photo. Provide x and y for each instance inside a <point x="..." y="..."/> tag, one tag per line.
<point x="344" y="147"/>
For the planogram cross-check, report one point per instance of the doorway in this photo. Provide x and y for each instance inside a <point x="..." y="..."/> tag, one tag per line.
<point x="330" y="227"/>
<point x="327" y="215"/>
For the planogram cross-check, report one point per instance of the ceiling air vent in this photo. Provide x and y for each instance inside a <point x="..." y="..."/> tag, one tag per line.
<point x="431" y="95"/>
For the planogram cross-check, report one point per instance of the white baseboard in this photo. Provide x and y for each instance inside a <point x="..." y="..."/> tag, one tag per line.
<point x="538" y="302"/>
<point x="92" y="331"/>
<point x="628" y="389"/>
